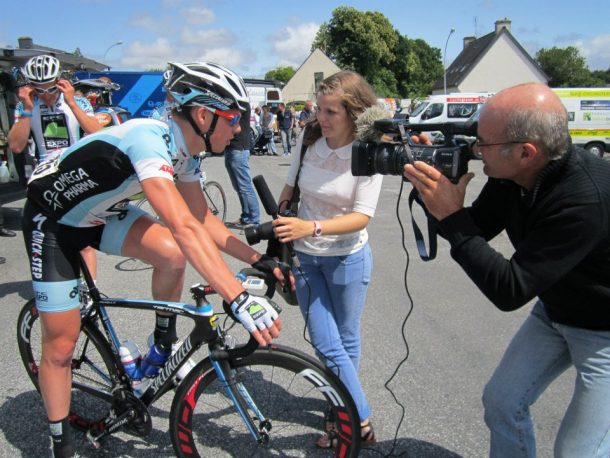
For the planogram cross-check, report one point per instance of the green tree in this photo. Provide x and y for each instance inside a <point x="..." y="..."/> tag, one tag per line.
<point x="282" y="74"/>
<point x="566" y="68"/>
<point x="368" y="43"/>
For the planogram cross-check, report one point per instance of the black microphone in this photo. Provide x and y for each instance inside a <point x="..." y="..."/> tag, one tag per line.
<point x="265" y="195"/>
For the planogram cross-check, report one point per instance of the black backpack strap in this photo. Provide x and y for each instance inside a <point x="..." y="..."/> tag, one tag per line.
<point x="432" y="232"/>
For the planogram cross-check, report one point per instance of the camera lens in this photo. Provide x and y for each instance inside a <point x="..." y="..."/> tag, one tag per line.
<point x="256" y="233"/>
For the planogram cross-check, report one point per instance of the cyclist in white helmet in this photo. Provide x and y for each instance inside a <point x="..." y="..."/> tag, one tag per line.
<point x="53" y="115"/>
<point x="82" y="198"/>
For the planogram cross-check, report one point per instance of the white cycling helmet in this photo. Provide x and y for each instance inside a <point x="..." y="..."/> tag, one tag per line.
<point x="207" y="84"/>
<point x="42" y="69"/>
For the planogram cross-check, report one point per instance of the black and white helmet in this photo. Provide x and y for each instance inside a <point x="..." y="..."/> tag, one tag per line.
<point x="42" y="69"/>
<point x="207" y="84"/>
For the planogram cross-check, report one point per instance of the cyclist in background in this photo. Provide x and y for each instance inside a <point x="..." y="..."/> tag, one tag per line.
<point x="82" y="198"/>
<point x="49" y="110"/>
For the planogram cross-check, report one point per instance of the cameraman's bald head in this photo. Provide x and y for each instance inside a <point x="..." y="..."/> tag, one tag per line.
<point x="529" y="112"/>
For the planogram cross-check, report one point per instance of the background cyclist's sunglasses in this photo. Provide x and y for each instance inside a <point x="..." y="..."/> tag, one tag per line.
<point x="49" y="90"/>
<point x="233" y="118"/>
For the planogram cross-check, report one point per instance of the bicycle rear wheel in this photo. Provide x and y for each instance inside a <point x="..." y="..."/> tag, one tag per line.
<point x="217" y="200"/>
<point x="290" y="389"/>
<point x="92" y="366"/>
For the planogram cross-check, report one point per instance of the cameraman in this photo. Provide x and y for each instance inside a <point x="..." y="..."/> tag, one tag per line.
<point x="553" y="200"/>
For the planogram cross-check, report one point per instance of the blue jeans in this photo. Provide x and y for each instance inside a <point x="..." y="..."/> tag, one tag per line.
<point x="286" y="135"/>
<point x="331" y="293"/>
<point x="539" y="352"/>
<point x="238" y="166"/>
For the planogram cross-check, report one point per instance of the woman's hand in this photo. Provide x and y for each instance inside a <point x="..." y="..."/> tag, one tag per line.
<point x="288" y="229"/>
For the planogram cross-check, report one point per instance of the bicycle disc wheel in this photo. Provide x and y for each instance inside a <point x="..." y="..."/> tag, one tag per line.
<point x="217" y="200"/>
<point x="291" y="390"/>
<point x="92" y="364"/>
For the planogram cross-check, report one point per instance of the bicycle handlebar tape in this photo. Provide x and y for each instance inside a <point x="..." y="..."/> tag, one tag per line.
<point x="265" y="195"/>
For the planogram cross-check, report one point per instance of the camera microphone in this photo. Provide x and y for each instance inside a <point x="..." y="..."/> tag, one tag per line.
<point x="366" y="124"/>
<point x="265" y="195"/>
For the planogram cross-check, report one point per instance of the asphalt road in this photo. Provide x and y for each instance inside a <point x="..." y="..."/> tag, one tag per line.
<point x="455" y="339"/>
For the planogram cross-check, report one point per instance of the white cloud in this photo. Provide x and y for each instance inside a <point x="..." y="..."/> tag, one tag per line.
<point x="144" y="21"/>
<point x="211" y="38"/>
<point x="229" y="57"/>
<point x="199" y="15"/>
<point x="293" y="44"/>
<point x="596" y="51"/>
<point x="141" y="55"/>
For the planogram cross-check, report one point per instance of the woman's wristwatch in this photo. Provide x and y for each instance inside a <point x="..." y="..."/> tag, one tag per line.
<point x="317" y="229"/>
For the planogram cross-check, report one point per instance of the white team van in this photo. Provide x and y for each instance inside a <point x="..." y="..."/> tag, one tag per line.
<point x="588" y="117"/>
<point x="454" y="107"/>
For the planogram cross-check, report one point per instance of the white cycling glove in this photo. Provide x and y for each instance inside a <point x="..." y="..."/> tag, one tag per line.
<point x="255" y="312"/>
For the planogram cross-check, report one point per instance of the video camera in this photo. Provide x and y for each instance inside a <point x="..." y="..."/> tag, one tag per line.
<point x="388" y="158"/>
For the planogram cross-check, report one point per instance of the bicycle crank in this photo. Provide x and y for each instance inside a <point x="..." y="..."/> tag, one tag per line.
<point x="127" y="411"/>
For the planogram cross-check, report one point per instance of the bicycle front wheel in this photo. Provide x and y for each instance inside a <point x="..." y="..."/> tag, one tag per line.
<point x="290" y="393"/>
<point x="92" y="366"/>
<point x="217" y="200"/>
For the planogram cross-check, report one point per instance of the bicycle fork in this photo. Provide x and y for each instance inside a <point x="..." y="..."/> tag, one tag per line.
<point x="242" y="401"/>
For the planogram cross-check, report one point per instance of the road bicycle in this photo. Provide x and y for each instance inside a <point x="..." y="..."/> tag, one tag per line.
<point x="241" y="399"/>
<point x="214" y="194"/>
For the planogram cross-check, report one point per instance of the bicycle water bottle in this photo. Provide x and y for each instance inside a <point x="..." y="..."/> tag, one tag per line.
<point x="131" y="359"/>
<point x="154" y="359"/>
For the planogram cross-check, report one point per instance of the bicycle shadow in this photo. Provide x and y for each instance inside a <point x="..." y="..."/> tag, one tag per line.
<point x="132" y="265"/>
<point x="23" y="423"/>
<point x="23" y="288"/>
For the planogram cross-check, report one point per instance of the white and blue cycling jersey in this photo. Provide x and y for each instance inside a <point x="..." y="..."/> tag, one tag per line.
<point x="55" y="127"/>
<point x="93" y="179"/>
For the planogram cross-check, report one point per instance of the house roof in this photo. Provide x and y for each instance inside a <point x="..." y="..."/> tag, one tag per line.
<point x="17" y="57"/>
<point x="472" y="54"/>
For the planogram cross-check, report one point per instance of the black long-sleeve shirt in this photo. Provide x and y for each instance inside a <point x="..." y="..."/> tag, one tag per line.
<point x="561" y="235"/>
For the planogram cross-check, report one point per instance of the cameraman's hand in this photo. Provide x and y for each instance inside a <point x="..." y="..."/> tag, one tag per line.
<point x="421" y="139"/>
<point x="441" y="197"/>
<point x="280" y="271"/>
<point x="259" y="315"/>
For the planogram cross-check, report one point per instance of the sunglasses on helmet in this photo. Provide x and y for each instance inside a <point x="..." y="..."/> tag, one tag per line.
<point x="49" y="90"/>
<point x="233" y="118"/>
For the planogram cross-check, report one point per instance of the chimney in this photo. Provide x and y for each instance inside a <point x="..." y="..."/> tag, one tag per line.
<point x="468" y="40"/>
<point x="25" y="42"/>
<point x="502" y="24"/>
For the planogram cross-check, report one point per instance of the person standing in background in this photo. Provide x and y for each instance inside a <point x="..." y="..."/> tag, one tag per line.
<point x="237" y="162"/>
<point x="285" y="123"/>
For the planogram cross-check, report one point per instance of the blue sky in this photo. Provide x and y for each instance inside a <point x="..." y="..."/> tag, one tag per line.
<point x="253" y="37"/>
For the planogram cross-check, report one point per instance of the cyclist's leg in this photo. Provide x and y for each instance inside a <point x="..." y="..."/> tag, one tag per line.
<point x="54" y="265"/>
<point x="136" y="234"/>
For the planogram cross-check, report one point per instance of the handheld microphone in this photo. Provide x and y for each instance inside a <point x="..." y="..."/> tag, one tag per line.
<point x="265" y="195"/>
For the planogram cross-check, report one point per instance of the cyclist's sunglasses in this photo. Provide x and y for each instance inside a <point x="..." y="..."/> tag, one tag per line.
<point x="233" y="118"/>
<point x="49" y="90"/>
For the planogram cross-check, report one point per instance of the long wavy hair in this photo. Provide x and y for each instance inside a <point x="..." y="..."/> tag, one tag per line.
<point x="356" y="96"/>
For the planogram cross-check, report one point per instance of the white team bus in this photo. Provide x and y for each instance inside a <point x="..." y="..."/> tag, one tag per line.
<point x="588" y="117"/>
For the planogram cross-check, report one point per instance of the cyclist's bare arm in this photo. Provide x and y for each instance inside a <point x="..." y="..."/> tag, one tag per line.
<point x="225" y="240"/>
<point x="197" y="245"/>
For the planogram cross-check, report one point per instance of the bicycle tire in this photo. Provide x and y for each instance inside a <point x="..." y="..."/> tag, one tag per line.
<point x="92" y="367"/>
<point x="216" y="198"/>
<point x="291" y="389"/>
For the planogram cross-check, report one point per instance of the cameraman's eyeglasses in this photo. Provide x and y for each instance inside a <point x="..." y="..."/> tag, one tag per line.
<point x="49" y="90"/>
<point x="233" y="118"/>
<point x="478" y="143"/>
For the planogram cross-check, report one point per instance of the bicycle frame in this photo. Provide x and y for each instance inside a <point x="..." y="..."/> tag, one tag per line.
<point x="205" y="331"/>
